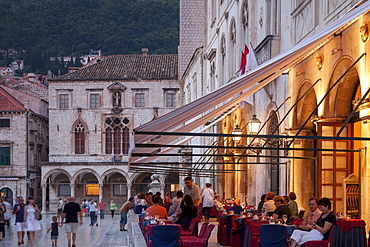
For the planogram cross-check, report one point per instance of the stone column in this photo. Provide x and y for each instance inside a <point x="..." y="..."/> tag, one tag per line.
<point x="73" y="190"/>
<point x="162" y="190"/>
<point x="100" y="192"/>
<point x="43" y="187"/>
<point x="129" y="186"/>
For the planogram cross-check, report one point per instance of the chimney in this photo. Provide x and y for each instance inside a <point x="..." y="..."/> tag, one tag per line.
<point x="144" y="51"/>
<point x="99" y="54"/>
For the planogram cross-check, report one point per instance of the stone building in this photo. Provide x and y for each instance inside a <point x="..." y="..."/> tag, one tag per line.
<point x="93" y="112"/>
<point x="23" y="142"/>
<point x="311" y="80"/>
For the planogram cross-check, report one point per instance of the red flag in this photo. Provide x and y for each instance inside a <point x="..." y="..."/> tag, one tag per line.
<point x="243" y="63"/>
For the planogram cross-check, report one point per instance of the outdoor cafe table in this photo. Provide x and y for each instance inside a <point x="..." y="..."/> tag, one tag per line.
<point x="348" y="233"/>
<point x="274" y="235"/>
<point x="252" y="230"/>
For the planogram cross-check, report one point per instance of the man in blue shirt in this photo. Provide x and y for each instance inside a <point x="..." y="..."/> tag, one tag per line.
<point x="19" y="219"/>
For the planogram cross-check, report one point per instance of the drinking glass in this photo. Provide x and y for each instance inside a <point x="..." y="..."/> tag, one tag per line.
<point x="285" y="218"/>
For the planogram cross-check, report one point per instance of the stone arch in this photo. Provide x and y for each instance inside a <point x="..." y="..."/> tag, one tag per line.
<point x="140" y="182"/>
<point x="10" y="188"/>
<point x="339" y="101"/>
<point x="86" y="170"/>
<point x="305" y="106"/>
<point x="115" y="170"/>
<point x="58" y="170"/>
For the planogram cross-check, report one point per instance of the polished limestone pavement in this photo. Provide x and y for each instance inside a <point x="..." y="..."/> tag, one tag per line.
<point x="106" y="234"/>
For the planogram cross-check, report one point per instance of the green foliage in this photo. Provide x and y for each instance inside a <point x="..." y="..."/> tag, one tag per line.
<point x="50" y="28"/>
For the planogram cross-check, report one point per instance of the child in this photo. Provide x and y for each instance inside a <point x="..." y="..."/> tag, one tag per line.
<point x="54" y="231"/>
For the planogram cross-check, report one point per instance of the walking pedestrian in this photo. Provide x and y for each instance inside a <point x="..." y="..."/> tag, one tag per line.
<point x="32" y="224"/>
<point x="18" y="210"/>
<point x="8" y="213"/>
<point x="2" y="219"/>
<point x="102" y="208"/>
<point x="70" y="212"/>
<point x="54" y="231"/>
<point x="208" y="196"/>
<point x="112" y="207"/>
<point x="93" y="209"/>
<point x="60" y="206"/>
<point x="123" y="211"/>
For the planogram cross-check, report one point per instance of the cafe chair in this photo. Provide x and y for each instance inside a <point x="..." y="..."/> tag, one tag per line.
<point x="301" y="214"/>
<point x="139" y="208"/>
<point x="192" y="228"/>
<point x="297" y="221"/>
<point x="273" y="235"/>
<point x="185" y="222"/>
<point x="165" y="236"/>
<point x="201" y="241"/>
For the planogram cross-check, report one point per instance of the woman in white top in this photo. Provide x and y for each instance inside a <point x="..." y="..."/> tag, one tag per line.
<point x="208" y="196"/>
<point x="93" y="209"/>
<point x="32" y="224"/>
<point x="174" y="208"/>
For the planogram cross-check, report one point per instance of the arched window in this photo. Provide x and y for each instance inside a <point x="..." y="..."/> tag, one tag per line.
<point x="117" y="135"/>
<point x="108" y="140"/>
<point x="232" y="48"/>
<point x="117" y="140"/>
<point x="126" y="141"/>
<point x="79" y="134"/>
<point x="223" y="61"/>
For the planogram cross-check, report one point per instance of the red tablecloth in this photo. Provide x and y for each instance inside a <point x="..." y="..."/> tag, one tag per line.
<point x="346" y="225"/>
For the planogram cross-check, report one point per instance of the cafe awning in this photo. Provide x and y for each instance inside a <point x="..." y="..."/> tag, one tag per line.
<point x="195" y="114"/>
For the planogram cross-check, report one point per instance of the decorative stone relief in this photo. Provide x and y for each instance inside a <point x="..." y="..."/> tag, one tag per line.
<point x="364" y="31"/>
<point x="319" y="61"/>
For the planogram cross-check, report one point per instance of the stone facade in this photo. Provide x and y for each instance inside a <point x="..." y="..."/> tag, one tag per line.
<point x="23" y="142"/>
<point x="270" y="28"/>
<point x="93" y="114"/>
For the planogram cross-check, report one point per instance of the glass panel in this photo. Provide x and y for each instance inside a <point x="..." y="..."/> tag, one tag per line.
<point x="327" y="177"/>
<point x="327" y="130"/>
<point x="344" y="132"/>
<point x="341" y="145"/>
<point x="339" y="175"/>
<point x="327" y="191"/>
<point x="328" y="145"/>
<point x="64" y="190"/>
<point x="327" y="162"/>
<point x="338" y="192"/>
<point x="338" y="206"/>
<point x="341" y="162"/>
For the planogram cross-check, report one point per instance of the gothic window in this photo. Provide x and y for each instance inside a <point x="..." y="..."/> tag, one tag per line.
<point x="117" y="139"/>
<point x="232" y="48"/>
<point x="223" y="61"/>
<point x="79" y="132"/>
<point x="245" y="13"/>
<point x="233" y="31"/>
<point x="63" y="101"/>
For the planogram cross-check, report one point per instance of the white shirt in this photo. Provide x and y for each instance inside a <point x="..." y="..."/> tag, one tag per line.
<point x="208" y="196"/>
<point x="8" y="213"/>
<point x="92" y="207"/>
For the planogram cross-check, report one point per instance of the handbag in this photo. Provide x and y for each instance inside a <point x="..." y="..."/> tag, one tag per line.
<point x="38" y="216"/>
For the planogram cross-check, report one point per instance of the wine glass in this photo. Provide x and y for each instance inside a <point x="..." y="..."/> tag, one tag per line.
<point x="285" y="218"/>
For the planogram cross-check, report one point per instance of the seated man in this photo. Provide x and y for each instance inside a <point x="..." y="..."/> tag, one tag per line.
<point x="281" y="208"/>
<point x="313" y="215"/>
<point x="156" y="209"/>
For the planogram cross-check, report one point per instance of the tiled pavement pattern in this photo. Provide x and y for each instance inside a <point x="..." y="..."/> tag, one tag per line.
<point x="106" y="234"/>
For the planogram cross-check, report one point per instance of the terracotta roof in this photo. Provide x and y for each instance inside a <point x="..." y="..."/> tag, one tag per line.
<point x="127" y="67"/>
<point x="9" y="103"/>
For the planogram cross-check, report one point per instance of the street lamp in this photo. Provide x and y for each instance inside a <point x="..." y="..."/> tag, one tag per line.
<point x="254" y="125"/>
<point x="236" y="133"/>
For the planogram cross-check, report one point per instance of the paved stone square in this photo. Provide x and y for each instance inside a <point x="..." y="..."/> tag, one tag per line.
<point x="106" y="234"/>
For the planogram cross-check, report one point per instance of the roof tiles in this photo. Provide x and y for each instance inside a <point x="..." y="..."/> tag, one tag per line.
<point x="9" y="103"/>
<point x="127" y="67"/>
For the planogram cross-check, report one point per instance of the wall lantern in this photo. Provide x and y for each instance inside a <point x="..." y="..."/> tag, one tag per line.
<point x="237" y="131"/>
<point x="254" y="125"/>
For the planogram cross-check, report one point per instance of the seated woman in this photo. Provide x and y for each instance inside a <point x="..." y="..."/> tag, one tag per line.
<point x="187" y="209"/>
<point x="321" y="228"/>
<point x="218" y="203"/>
<point x="175" y="206"/>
